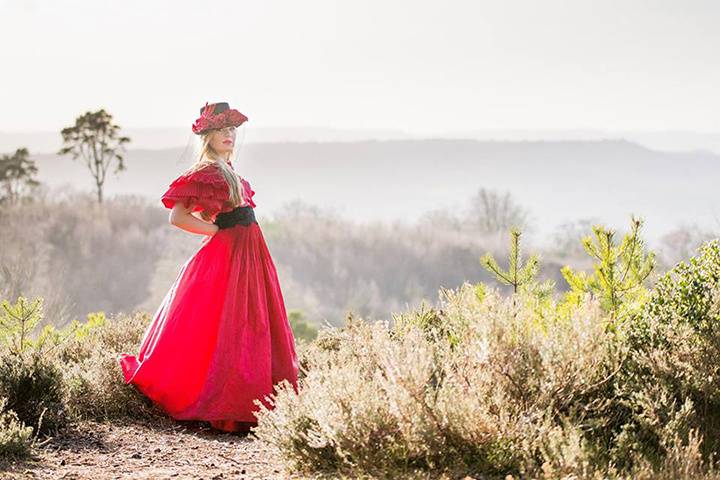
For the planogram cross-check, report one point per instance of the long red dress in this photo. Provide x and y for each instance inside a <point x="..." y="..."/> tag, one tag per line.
<point x="221" y="337"/>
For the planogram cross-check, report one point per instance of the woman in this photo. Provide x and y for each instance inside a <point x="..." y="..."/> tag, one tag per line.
<point x="221" y="337"/>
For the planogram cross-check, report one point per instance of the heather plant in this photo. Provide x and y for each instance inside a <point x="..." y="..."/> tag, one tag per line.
<point x="34" y="391"/>
<point x="15" y="436"/>
<point x="526" y="385"/>
<point x="529" y="385"/>
<point x="51" y="377"/>
<point x="94" y="382"/>
<point x="504" y="396"/>
<point x="29" y="380"/>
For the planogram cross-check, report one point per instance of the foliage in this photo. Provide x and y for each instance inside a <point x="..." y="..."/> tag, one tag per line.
<point x="523" y="278"/>
<point x="378" y="399"/>
<point x="688" y="292"/>
<point x="18" y="324"/>
<point x="50" y="378"/>
<point x="29" y="380"/>
<point x="675" y="344"/>
<point x="301" y="328"/>
<point x="525" y="386"/>
<point x="17" y="177"/>
<point x="33" y="387"/>
<point x="15" y="437"/>
<point x="95" y="386"/>
<point x="71" y="259"/>
<point x="431" y="322"/>
<point x="517" y="275"/>
<point x="619" y="272"/>
<point x="94" y="138"/>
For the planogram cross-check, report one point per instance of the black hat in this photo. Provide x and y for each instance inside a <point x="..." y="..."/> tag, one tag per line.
<point x="219" y="107"/>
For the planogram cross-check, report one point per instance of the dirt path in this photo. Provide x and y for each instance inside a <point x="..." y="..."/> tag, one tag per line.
<point x="138" y="451"/>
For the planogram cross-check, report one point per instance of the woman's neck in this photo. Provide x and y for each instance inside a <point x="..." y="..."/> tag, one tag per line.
<point x="221" y="159"/>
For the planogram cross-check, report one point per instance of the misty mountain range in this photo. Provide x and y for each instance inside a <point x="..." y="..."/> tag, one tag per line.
<point x="160" y="138"/>
<point x="399" y="180"/>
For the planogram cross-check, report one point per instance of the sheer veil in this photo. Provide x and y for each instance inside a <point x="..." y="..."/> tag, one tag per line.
<point x="190" y="153"/>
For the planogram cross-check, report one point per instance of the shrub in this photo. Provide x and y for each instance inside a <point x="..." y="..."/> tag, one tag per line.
<point x="675" y="344"/>
<point x="33" y="388"/>
<point x="95" y="387"/>
<point x="30" y="381"/>
<point x="478" y="386"/>
<point x="687" y="294"/>
<point x="15" y="438"/>
<point x="68" y="374"/>
<point x="615" y="382"/>
<point x="303" y="331"/>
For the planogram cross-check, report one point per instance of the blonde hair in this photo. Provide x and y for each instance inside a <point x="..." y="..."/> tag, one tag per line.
<point x="207" y="157"/>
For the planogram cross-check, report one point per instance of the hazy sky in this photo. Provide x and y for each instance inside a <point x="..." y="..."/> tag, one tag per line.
<point x="420" y="66"/>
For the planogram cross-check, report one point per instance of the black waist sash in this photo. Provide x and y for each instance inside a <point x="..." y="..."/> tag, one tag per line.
<point x="244" y="215"/>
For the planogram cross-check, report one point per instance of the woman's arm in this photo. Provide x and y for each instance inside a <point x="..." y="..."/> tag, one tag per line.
<point x="181" y="217"/>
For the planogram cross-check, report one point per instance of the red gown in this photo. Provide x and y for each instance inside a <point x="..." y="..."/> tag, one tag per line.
<point x="221" y="337"/>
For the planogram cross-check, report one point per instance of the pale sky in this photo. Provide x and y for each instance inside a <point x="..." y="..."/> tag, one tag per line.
<point x="419" y="66"/>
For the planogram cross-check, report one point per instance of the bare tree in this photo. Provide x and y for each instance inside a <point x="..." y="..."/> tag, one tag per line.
<point x="566" y="238"/>
<point x="494" y="212"/>
<point x="95" y="139"/>
<point x="681" y="243"/>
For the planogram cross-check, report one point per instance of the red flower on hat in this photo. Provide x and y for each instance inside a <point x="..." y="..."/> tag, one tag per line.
<point x="207" y="121"/>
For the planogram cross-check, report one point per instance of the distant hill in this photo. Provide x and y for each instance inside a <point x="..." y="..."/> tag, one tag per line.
<point x="558" y="181"/>
<point x="173" y="137"/>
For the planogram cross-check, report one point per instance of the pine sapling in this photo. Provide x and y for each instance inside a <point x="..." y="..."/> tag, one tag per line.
<point x="18" y="321"/>
<point x="518" y="274"/>
<point x="619" y="271"/>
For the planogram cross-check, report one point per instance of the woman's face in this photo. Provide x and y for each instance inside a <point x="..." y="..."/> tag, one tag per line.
<point x="222" y="140"/>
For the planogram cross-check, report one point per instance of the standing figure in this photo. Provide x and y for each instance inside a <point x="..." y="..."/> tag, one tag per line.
<point x="221" y="337"/>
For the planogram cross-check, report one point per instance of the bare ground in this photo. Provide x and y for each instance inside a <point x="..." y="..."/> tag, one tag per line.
<point x="168" y="450"/>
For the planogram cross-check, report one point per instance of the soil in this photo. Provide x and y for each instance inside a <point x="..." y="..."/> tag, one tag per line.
<point x="169" y="450"/>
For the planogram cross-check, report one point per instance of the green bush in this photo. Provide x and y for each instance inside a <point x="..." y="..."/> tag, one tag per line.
<point x="301" y="328"/>
<point x="69" y="374"/>
<point x="686" y="294"/>
<point x="33" y="388"/>
<point x="675" y="346"/>
<point x="15" y="437"/>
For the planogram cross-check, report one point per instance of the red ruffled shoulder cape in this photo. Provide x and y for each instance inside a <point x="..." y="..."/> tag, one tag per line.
<point x="205" y="190"/>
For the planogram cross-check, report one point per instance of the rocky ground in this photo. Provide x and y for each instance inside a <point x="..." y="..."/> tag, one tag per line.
<point x="142" y="451"/>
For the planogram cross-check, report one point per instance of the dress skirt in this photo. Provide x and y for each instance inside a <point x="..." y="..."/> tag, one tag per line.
<point x="221" y="338"/>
